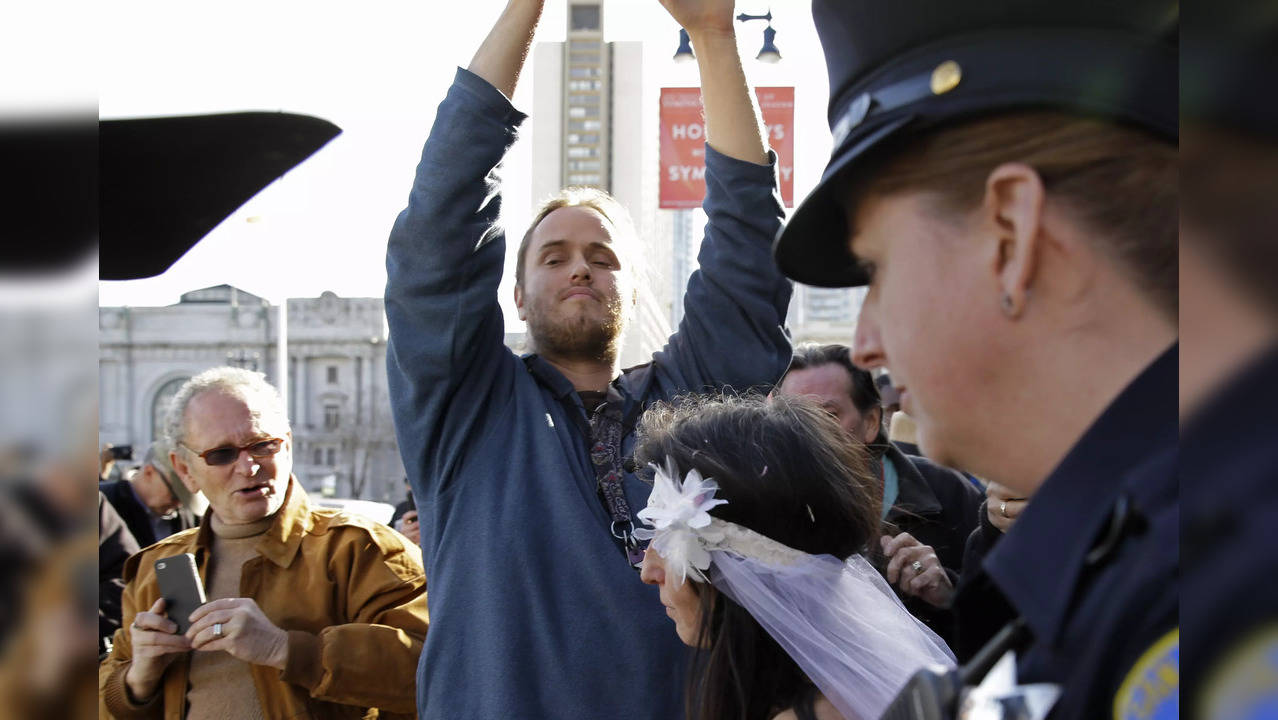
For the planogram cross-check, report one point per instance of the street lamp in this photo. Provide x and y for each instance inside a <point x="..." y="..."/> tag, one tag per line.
<point x="684" y="53"/>
<point x="768" y="53"/>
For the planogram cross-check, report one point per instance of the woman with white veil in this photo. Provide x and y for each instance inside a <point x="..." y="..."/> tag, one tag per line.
<point x="760" y="511"/>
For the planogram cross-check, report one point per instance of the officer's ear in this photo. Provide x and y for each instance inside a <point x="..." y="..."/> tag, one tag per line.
<point x="1012" y="212"/>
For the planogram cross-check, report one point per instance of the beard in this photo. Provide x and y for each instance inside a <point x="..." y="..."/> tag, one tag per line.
<point x="577" y="334"/>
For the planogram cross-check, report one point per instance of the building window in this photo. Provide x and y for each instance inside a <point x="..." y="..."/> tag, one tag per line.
<point x="319" y="457"/>
<point x="332" y="374"/>
<point x="583" y="72"/>
<point x="331" y="455"/>
<point x="583" y="152"/>
<point x="590" y="125"/>
<point x="583" y="179"/>
<point x="332" y="417"/>
<point x="585" y="17"/>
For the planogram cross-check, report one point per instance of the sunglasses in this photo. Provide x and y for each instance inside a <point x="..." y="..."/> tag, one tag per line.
<point x="227" y="454"/>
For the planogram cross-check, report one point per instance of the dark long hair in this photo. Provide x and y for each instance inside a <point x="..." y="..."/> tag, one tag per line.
<point x="788" y="472"/>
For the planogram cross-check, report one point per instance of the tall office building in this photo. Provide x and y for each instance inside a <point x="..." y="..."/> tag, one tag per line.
<point x="595" y="124"/>
<point x="685" y="244"/>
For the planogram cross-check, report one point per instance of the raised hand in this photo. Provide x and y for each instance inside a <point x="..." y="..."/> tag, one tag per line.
<point x="734" y="126"/>
<point x="697" y="16"/>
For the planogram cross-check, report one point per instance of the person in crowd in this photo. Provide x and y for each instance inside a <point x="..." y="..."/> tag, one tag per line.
<point x="927" y="511"/>
<point x="153" y="502"/>
<point x="979" y="609"/>
<point x="405" y="517"/>
<point x="310" y="612"/>
<point x="404" y="505"/>
<point x="410" y="525"/>
<point x="108" y="469"/>
<point x="1037" y="207"/>
<point x="115" y="545"/>
<point x="520" y="464"/>
<point x="46" y="574"/>
<point x="762" y="510"/>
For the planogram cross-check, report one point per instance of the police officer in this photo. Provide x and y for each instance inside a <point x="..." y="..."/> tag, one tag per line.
<point x="1004" y="183"/>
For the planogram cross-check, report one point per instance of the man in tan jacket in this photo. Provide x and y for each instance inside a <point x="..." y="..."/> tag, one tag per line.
<point x="311" y="612"/>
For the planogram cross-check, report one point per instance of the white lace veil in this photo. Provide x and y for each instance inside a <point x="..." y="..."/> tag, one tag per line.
<point x="839" y="620"/>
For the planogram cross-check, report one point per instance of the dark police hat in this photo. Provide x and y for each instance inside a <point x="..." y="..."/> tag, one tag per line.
<point x="906" y="66"/>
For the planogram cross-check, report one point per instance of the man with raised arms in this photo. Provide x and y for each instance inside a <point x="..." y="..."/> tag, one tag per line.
<point x="520" y="464"/>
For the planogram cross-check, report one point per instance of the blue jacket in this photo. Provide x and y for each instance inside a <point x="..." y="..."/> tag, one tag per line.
<point x="534" y="610"/>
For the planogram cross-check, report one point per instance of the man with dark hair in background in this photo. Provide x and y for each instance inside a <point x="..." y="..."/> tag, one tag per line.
<point x="928" y="510"/>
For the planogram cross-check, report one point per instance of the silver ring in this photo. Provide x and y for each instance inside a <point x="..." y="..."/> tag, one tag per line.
<point x="217" y="630"/>
<point x="918" y="567"/>
<point x="1002" y="508"/>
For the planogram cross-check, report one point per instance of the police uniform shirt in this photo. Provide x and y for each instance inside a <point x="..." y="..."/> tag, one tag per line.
<point x="1092" y="563"/>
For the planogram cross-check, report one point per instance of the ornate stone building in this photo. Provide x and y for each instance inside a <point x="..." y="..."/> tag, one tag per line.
<point x="344" y="439"/>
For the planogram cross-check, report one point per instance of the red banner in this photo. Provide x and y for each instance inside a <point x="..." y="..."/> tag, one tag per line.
<point x="683" y="136"/>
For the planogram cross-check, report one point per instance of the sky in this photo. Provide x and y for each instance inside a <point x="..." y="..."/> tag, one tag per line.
<point x="378" y="70"/>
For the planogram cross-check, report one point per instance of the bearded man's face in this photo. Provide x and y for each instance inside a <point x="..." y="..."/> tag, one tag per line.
<point x="576" y="292"/>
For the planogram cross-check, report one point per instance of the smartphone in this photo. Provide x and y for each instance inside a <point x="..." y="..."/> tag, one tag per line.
<point x="122" y="452"/>
<point x="181" y="588"/>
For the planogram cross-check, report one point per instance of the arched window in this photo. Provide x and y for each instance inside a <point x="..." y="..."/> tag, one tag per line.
<point x="160" y="406"/>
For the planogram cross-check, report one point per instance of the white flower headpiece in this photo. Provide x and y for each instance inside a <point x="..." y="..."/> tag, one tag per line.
<point x="679" y="515"/>
<point x="684" y="533"/>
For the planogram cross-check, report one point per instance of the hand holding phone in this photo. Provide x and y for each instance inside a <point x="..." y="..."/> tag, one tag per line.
<point x="155" y="644"/>
<point x="181" y="588"/>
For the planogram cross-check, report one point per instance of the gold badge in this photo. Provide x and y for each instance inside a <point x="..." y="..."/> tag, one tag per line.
<point x="946" y="77"/>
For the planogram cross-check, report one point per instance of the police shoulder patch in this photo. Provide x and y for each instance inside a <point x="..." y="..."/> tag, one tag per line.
<point x="1244" y="684"/>
<point x="1151" y="690"/>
